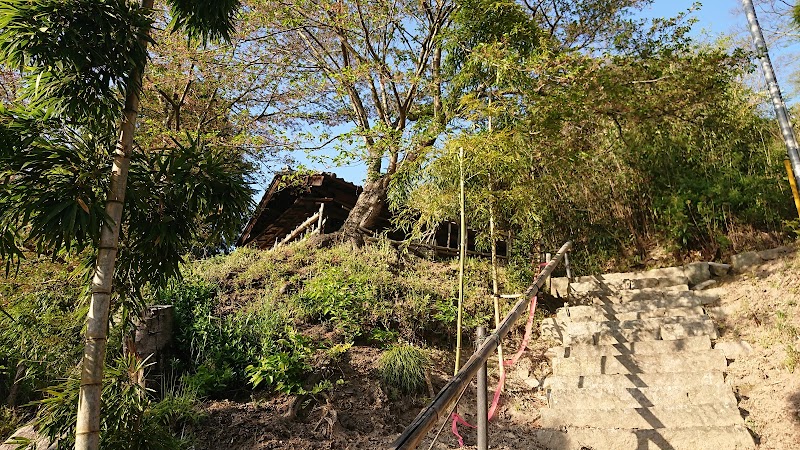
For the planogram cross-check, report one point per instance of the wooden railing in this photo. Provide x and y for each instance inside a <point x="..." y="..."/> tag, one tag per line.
<point x="441" y="406"/>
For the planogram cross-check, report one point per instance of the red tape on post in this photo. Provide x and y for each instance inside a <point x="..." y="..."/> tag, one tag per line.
<point x="458" y="420"/>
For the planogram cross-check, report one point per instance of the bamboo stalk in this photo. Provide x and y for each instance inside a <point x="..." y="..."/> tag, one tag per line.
<point x="87" y="430"/>
<point x="462" y="256"/>
<point x="440" y="406"/>
<point x="793" y="183"/>
<point x="495" y="284"/>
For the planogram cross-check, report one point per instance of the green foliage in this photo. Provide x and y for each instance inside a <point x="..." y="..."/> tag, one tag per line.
<point x="221" y="353"/>
<point x="651" y="141"/>
<point x="796" y="14"/>
<point x="40" y="329"/>
<point x="374" y="294"/>
<point x="792" y="358"/>
<point x="403" y="368"/>
<point x="339" y="297"/>
<point x="174" y="198"/>
<point x="489" y="50"/>
<point x="9" y="422"/>
<point x="284" y="368"/>
<point x="130" y="420"/>
<point x="58" y="180"/>
<point x="77" y="55"/>
<point x="208" y="20"/>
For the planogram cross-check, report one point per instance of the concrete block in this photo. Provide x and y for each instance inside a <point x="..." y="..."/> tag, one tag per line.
<point x="554" y="329"/>
<point x="645" y="397"/>
<point x="660" y="282"/>
<point x="702" y="361"/>
<point x="696" y="438"/>
<point x="697" y="272"/>
<point x="682" y="330"/>
<point x="685" y="379"/>
<point x="696" y="343"/>
<point x="607" y="313"/>
<point x="734" y="349"/>
<point x="657" y="417"/>
<point x="704" y="285"/>
<point x="687" y="299"/>
<point x="718" y="269"/>
<point x="662" y="312"/>
<point x="775" y="253"/>
<point x="559" y="287"/>
<point x="745" y="261"/>
<point x="614" y="332"/>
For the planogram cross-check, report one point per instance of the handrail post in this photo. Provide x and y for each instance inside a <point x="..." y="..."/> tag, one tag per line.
<point x="443" y="404"/>
<point x="569" y="272"/>
<point x="547" y="258"/>
<point x="482" y="410"/>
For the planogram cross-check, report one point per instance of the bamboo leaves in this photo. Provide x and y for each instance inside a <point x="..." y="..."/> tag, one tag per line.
<point x="77" y="55"/>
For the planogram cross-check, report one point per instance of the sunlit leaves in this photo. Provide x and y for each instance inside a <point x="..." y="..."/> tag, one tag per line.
<point x="174" y="198"/>
<point x="54" y="182"/>
<point x="78" y="56"/>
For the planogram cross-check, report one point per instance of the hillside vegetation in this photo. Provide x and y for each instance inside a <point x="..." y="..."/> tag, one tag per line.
<point x="252" y="323"/>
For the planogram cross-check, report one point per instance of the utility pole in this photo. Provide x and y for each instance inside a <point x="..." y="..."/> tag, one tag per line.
<point x="774" y="89"/>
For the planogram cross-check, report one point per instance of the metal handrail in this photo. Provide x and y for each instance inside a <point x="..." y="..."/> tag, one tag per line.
<point x="451" y="392"/>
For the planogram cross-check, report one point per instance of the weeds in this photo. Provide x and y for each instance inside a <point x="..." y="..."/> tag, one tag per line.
<point x="788" y="334"/>
<point x="792" y="358"/>
<point x="130" y="419"/>
<point x="285" y="367"/>
<point x="403" y="368"/>
<point x="9" y="422"/>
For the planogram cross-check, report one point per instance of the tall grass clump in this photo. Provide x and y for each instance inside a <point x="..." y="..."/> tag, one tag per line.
<point x="402" y="368"/>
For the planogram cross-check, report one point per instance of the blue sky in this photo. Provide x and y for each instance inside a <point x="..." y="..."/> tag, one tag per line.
<point x="715" y="18"/>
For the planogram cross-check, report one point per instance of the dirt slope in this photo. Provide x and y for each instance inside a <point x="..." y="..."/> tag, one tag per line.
<point x="761" y="307"/>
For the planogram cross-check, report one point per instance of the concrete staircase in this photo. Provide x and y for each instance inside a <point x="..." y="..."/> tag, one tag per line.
<point x="635" y="368"/>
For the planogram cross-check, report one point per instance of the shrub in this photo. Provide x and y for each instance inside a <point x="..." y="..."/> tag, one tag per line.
<point x="129" y="421"/>
<point x="285" y="366"/>
<point x="222" y="352"/>
<point x="40" y="327"/>
<point x="403" y="367"/>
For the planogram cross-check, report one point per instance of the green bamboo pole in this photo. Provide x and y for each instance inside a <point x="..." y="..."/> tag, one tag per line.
<point x="462" y="256"/>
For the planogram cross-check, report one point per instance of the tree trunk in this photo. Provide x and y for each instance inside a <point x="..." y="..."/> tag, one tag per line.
<point x="87" y="431"/>
<point x="366" y="211"/>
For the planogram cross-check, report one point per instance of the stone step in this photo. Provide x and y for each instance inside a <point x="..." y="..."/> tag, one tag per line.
<point x="589" y="289"/>
<point x="604" y="297"/>
<point x="594" y="284"/>
<point x="598" y="313"/>
<point x="614" y="332"/>
<point x="656" y="417"/>
<point x="695" y="438"/>
<point x="696" y="273"/>
<point x="699" y="361"/>
<point x="663" y="300"/>
<point x="620" y="398"/>
<point x="693" y="274"/>
<point x="639" y="348"/>
<point x="668" y="272"/>
<point x="685" y="379"/>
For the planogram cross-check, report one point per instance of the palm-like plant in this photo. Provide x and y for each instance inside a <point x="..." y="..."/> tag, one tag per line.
<point x="83" y="62"/>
